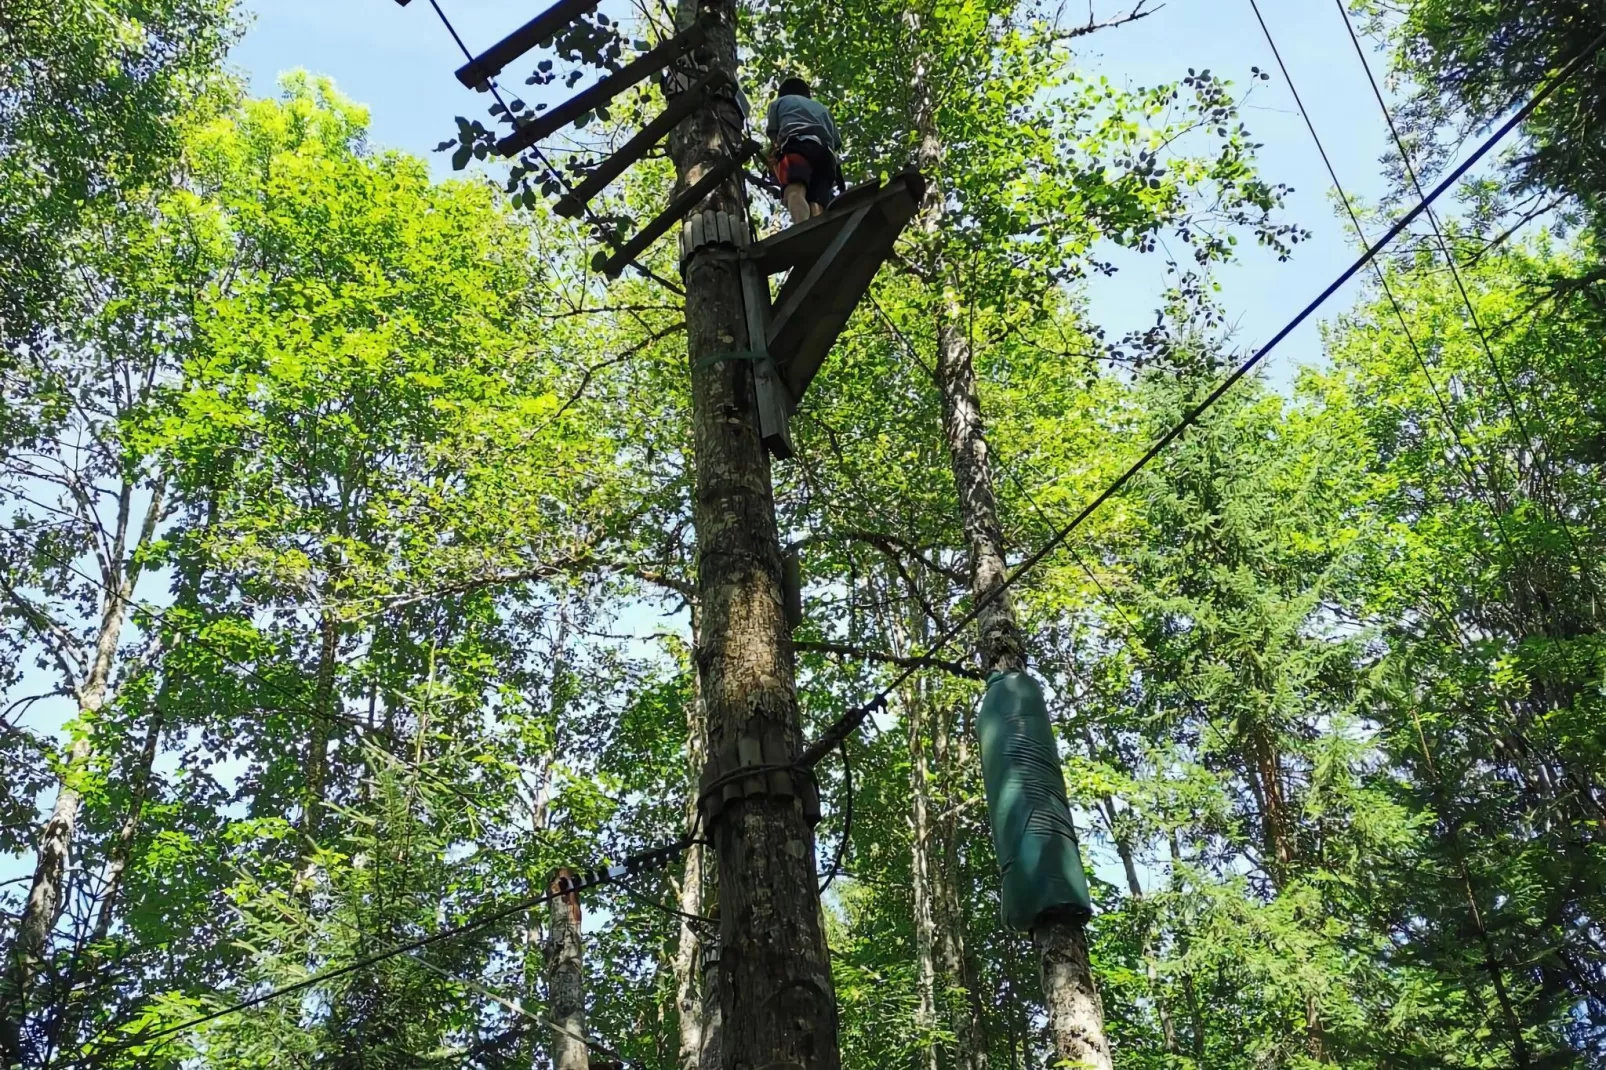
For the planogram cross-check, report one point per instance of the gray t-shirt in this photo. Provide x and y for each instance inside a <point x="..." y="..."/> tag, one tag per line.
<point x="801" y="117"/>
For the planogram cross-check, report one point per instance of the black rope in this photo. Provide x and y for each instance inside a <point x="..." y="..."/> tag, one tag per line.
<point x="850" y="721"/>
<point x="639" y="862"/>
<point x="1585" y="572"/>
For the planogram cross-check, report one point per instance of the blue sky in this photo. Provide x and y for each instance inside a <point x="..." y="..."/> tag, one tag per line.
<point x="399" y="61"/>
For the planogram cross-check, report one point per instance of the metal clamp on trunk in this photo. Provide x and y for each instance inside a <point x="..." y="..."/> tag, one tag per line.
<point x="751" y="766"/>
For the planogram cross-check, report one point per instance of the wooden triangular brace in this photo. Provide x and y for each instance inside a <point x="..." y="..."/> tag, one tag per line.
<point x="478" y="72"/>
<point x="833" y="259"/>
<point x="638" y="70"/>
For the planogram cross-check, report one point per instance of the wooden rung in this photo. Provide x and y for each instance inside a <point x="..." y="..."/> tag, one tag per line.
<point x="574" y="202"/>
<point x="639" y="70"/>
<point x="678" y="208"/>
<point x="478" y="72"/>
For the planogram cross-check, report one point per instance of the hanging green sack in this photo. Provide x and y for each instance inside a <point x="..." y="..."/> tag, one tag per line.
<point x="1032" y="830"/>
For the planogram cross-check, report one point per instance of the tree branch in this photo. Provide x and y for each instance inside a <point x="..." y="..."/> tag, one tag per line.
<point x="1092" y="26"/>
<point x="54" y="637"/>
<point x="886" y="658"/>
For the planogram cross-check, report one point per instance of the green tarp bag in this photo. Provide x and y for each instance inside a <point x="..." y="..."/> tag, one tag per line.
<point x="1032" y="830"/>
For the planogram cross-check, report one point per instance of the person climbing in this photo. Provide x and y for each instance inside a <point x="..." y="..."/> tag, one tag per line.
<point x="803" y="150"/>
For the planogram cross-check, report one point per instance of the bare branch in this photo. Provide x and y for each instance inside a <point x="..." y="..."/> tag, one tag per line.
<point x="1092" y="26"/>
<point x="56" y="639"/>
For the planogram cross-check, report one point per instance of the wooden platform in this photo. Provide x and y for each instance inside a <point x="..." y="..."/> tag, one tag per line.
<point x="832" y="259"/>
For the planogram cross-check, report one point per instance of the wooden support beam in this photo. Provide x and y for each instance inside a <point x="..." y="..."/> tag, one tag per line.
<point x="478" y="72"/>
<point x="807" y="293"/>
<point x="685" y="202"/>
<point x="574" y="202"/>
<point x="639" y="70"/>
<point x="774" y="403"/>
<point x="834" y="258"/>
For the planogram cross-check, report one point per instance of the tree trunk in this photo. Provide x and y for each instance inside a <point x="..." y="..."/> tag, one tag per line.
<point x="970" y="1041"/>
<point x="1076" y="1018"/>
<point x="566" y="1000"/>
<point x="70" y="1010"/>
<point x="1134" y="887"/>
<point x="778" y="1004"/>
<point x="712" y="1057"/>
<point x="1189" y="992"/>
<point x="47" y="893"/>
<point x="920" y="869"/>
<point x="317" y="760"/>
<point x="689" y="995"/>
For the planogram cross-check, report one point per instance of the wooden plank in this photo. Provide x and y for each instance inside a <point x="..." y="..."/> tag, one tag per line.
<point x="574" y="202"/>
<point x="819" y="332"/>
<point x="682" y="204"/>
<point x="799" y="298"/>
<point x="806" y="241"/>
<point x="643" y="67"/>
<point x="722" y="226"/>
<point x="774" y="404"/>
<point x="853" y="196"/>
<point x="795" y="245"/>
<point x="477" y="72"/>
<point x="814" y="306"/>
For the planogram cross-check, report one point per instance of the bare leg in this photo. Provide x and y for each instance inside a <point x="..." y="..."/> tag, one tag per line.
<point x="796" y="199"/>
<point x="815" y="209"/>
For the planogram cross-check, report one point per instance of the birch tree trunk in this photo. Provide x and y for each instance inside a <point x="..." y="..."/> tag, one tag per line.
<point x="1076" y="1017"/>
<point x="920" y="867"/>
<point x="566" y="1000"/>
<point x="48" y="891"/>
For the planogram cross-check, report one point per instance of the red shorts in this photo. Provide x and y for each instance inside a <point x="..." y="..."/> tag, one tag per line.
<point x="806" y="163"/>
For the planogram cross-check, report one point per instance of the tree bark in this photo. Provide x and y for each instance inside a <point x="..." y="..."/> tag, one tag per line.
<point x="317" y="760"/>
<point x="778" y="1005"/>
<point x="689" y="987"/>
<point x="1076" y="1017"/>
<point x="566" y="1000"/>
<point x="1189" y="992"/>
<point x="712" y="1057"/>
<point x="969" y="1021"/>
<point x="920" y="869"/>
<point x="47" y="893"/>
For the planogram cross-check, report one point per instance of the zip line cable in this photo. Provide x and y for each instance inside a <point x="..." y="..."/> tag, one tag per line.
<point x="640" y="862"/>
<point x="1585" y="572"/>
<point x="1466" y="464"/>
<point x="849" y="722"/>
<point x="1495" y="512"/>
<point x="496" y="92"/>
